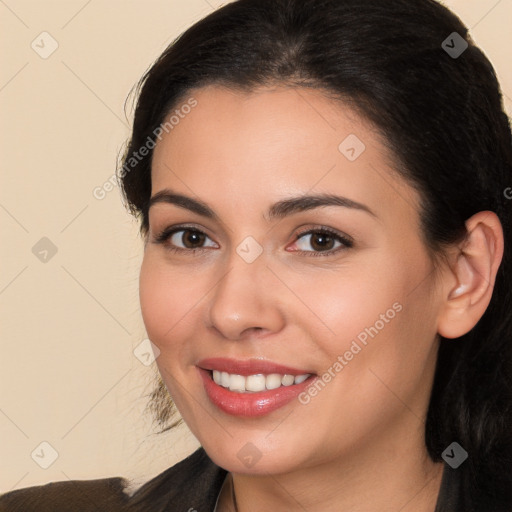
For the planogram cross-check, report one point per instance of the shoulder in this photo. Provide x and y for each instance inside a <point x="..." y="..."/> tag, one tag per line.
<point x="194" y="482"/>
<point x="79" y="495"/>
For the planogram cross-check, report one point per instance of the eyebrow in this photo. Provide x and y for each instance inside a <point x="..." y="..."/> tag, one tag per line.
<point x="278" y="210"/>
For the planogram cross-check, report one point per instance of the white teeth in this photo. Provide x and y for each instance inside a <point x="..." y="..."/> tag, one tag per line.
<point x="255" y="383"/>
<point x="224" y="379"/>
<point x="273" y="381"/>
<point x="300" y="379"/>
<point x="288" y="380"/>
<point x="237" y="383"/>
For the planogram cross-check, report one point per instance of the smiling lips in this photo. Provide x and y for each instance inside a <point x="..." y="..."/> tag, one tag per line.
<point x="252" y="387"/>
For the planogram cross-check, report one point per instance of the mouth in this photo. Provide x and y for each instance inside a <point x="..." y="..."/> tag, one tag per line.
<point x="253" y="387"/>
<point x="257" y="382"/>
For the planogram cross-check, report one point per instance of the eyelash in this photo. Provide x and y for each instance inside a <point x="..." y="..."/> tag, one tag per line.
<point x="164" y="236"/>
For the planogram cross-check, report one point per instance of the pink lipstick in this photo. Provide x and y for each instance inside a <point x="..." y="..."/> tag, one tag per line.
<point x="251" y="388"/>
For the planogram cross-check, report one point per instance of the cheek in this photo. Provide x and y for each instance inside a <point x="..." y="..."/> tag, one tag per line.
<point x="387" y="333"/>
<point x="378" y="312"/>
<point x="167" y="299"/>
<point x="347" y="303"/>
<point x="152" y="300"/>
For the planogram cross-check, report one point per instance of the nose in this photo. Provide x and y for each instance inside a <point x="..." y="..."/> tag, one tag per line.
<point x="245" y="302"/>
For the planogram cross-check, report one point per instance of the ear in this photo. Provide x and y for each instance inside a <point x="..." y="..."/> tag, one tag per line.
<point x="470" y="282"/>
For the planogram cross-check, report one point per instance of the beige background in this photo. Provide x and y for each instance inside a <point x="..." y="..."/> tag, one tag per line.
<point x="68" y="374"/>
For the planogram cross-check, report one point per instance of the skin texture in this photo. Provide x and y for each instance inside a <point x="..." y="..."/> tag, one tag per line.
<point x="359" y="443"/>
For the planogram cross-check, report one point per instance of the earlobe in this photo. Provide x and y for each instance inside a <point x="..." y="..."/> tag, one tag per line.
<point x="475" y="272"/>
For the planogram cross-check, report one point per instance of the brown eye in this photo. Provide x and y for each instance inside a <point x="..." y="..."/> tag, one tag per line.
<point x="323" y="241"/>
<point x="183" y="238"/>
<point x="191" y="238"/>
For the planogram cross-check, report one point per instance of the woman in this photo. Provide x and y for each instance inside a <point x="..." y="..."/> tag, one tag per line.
<point x="324" y="195"/>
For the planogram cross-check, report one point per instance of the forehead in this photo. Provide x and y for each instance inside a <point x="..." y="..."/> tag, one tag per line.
<point x="274" y="142"/>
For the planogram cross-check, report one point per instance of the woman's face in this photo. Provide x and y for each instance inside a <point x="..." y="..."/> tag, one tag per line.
<point x="355" y="308"/>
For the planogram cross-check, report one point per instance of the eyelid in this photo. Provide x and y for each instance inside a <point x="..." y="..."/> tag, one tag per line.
<point x="166" y="233"/>
<point x="324" y="229"/>
<point x="346" y="241"/>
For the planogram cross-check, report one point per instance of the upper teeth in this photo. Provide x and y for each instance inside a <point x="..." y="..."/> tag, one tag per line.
<point x="259" y="382"/>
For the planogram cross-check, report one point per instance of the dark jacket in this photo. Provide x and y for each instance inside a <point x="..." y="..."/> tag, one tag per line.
<point x="192" y="485"/>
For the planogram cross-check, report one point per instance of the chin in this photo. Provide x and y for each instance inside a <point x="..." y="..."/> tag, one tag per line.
<point x="254" y="454"/>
